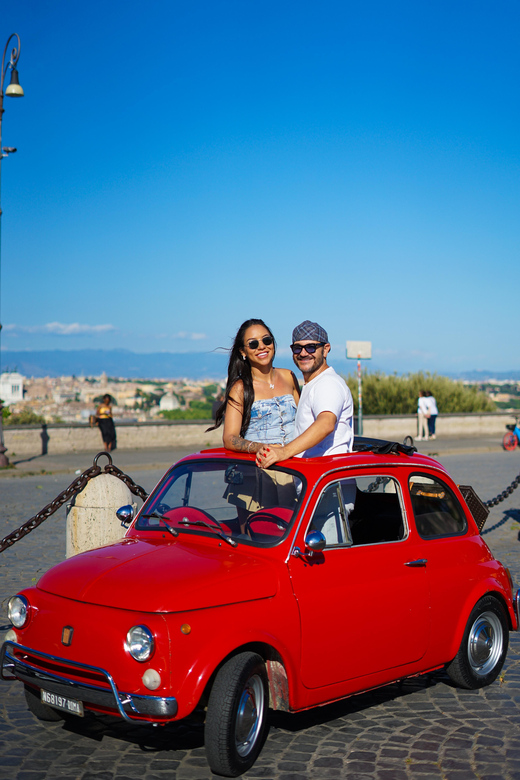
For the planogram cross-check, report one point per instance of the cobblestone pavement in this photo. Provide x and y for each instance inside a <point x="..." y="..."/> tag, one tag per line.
<point x="421" y="729"/>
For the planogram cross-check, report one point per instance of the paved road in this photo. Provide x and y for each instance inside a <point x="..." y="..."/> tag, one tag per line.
<point x="420" y="730"/>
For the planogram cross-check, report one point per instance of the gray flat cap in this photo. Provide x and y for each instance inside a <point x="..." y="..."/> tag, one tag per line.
<point x="309" y="331"/>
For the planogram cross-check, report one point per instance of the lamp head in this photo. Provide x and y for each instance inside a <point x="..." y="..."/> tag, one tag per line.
<point x="14" y="89"/>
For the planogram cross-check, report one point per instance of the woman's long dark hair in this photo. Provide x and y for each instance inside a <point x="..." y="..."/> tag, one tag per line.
<point x="238" y="368"/>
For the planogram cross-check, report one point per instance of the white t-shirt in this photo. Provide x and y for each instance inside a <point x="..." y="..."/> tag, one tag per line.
<point x="432" y="405"/>
<point x="423" y="406"/>
<point x="327" y="392"/>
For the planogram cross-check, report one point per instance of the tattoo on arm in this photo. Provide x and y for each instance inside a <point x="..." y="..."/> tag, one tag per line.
<point x="243" y="445"/>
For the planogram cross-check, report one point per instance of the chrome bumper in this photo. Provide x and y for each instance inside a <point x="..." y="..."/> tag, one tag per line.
<point x="142" y="708"/>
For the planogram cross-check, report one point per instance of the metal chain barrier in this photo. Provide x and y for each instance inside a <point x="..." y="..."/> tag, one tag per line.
<point x="74" y="488"/>
<point x="505" y="493"/>
<point x="497" y="500"/>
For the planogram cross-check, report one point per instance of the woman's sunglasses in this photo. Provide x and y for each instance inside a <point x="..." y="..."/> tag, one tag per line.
<point x="255" y="343"/>
<point x="309" y="348"/>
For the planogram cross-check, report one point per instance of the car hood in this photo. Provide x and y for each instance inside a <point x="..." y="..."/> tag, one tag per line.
<point x="176" y="576"/>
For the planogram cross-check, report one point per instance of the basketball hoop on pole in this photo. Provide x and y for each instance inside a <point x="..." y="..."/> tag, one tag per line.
<point x="359" y="350"/>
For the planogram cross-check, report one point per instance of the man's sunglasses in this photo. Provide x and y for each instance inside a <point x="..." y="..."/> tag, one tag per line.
<point x="309" y="348"/>
<point x="255" y="343"/>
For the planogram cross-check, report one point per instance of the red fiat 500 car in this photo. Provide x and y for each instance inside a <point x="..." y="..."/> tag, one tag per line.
<point x="236" y="590"/>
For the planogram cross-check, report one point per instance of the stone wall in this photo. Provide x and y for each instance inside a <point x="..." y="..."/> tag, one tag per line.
<point x="396" y="427"/>
<point x="27" y="440"/>
<point x="75" y="437"/>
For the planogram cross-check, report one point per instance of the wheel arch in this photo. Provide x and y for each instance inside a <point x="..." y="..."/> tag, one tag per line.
<point x="487" y="589"/>
<point x="501" y="598"/>
<point x="281" y="666"/>
<point x="279" y="696"/>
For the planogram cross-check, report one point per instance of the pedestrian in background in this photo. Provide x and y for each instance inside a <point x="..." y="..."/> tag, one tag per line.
<point x="433" y="412"/>
<point x="106" y="423"/>
<point x="422" y="417"/>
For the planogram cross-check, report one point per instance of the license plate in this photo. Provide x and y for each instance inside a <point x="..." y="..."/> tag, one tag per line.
<point x="62" y="703"/>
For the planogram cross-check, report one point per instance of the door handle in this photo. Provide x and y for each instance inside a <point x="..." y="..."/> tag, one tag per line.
<point x="417" y="563"/>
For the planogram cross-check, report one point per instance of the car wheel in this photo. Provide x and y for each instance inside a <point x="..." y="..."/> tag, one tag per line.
<point x="509" y="441"/>
<point x="236" y="720"/>
<point x="483" y="648"/>
<point x="38" y="708"/>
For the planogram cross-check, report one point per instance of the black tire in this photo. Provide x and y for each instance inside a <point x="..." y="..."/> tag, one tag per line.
<point x="38" y="708"/>
<point x="483" y="649"/>
<point x="237" y="715"/>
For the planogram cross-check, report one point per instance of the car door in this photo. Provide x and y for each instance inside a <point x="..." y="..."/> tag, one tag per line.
<point x="452" y="560"/>
<point x="363" y="601"/>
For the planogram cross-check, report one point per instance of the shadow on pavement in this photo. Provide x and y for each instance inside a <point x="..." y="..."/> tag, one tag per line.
<point x="356" y="703"/>
<point x="27" y="460"/>
<point x="189" y="733"/>
<point x="184" y="735"/>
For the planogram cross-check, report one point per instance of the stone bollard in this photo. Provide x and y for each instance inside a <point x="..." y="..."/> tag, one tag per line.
<point x="91" y="517"/>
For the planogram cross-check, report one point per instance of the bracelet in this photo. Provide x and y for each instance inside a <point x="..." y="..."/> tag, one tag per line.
<point x="248" y="446"/>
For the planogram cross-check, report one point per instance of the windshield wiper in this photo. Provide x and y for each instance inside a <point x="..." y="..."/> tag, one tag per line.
<point x="163" y="519"/>
<point x="212" y="528"/>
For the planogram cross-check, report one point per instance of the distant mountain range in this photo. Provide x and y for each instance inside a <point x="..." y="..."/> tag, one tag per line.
<point x="117" y="363"/>
<point x="164" y="365"/>
<point x="484" y="376"/>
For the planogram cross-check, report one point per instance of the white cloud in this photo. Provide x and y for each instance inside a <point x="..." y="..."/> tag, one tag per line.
<point x="61" y="329"/>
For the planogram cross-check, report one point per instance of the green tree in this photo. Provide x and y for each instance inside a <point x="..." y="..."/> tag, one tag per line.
<point x="393" y="394"/>
<point x="197" y="410"/>
<point x="25" y="417"/>
<point x="210" y="391"/>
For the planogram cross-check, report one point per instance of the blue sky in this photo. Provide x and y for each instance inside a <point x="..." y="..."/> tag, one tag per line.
<point x="183" y="166"/>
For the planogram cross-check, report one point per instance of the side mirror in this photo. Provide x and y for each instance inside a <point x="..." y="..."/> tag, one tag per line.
<point x="315" y="541"/>
<point x="125" y="514"/>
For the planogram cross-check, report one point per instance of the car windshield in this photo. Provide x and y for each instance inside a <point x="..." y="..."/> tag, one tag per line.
<point x="231" y="498"/>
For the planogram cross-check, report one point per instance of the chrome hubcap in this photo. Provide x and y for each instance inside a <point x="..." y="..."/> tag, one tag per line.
<point x="485" y="643"/>
<point x="250" y="715"/>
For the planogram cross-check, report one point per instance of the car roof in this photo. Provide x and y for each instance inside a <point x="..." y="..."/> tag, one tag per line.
<point x="367" y="452"/>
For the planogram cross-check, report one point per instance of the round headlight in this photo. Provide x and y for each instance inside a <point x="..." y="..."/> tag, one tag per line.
<point x="139" y="643"/>
<point x="18" y="611"/>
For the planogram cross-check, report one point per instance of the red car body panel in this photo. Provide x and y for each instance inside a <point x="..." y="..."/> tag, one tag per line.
<point x="162" y="575"/>
<point x="339" y="622"/>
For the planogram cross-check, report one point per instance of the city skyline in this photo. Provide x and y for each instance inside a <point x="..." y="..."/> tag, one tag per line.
<point x="183" y="169"/>
<point x="186" y="365"/>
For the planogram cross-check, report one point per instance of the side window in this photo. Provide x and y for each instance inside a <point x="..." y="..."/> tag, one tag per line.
<point x="376" y="515"/>
<point x="437" y="511"/>
<point x="329" y="516"/>
<point x="360" y="510"/>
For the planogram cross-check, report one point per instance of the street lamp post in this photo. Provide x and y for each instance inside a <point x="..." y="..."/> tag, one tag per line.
<point x="359" y="350"/>
<point x="13" y="90"/>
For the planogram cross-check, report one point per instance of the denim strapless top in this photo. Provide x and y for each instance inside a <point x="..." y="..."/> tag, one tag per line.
<point x="272" y="420"/>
